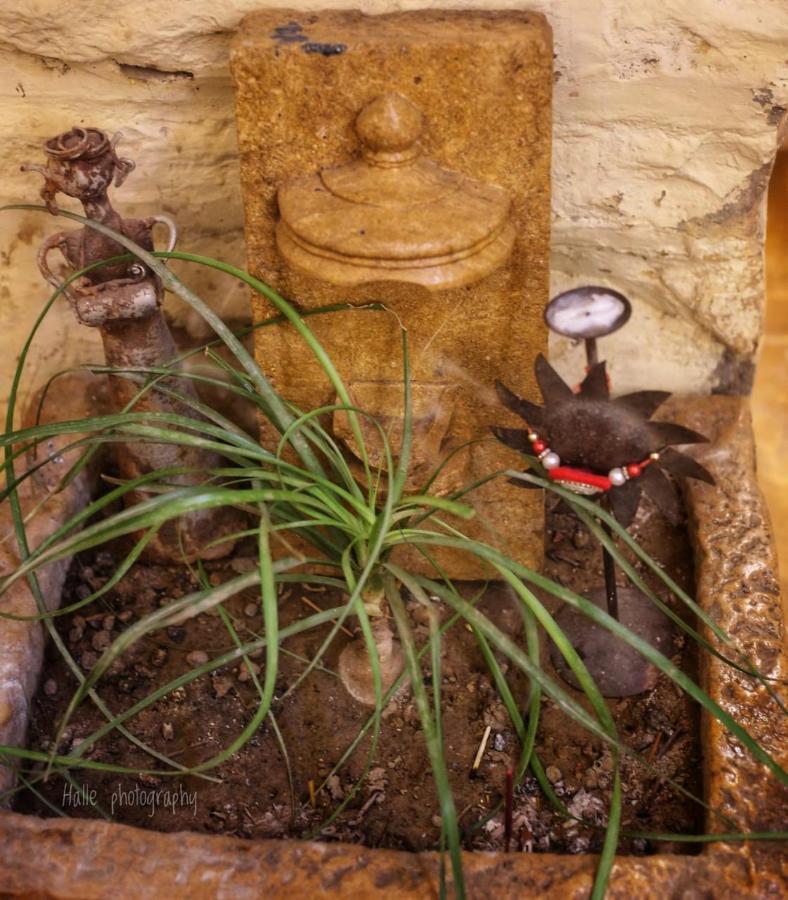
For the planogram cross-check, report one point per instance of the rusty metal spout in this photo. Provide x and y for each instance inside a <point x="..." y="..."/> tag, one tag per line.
<point x="123" y="300"/>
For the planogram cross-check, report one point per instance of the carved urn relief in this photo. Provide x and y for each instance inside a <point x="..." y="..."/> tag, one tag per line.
<point x="393" y="214"/>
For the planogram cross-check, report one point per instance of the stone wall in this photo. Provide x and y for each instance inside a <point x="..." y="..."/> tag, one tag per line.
<point x="667" y="118"/>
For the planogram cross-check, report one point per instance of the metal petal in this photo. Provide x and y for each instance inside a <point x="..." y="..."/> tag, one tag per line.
<point x="594" y="386"/>
<point x="529" y="485"/>
<point x="644" y="402"/>
<point x="662" y="491"/>
<point x="624" y="501"/>
<point x="516" y="438"/>
<point x="679" y="464"/>
<point x="532" y="413"/>
<point x="666" y="433"/>
<point x="554" y="388"/>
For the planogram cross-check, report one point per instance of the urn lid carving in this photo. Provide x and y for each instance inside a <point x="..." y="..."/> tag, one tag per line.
<point x="393" y="214"/>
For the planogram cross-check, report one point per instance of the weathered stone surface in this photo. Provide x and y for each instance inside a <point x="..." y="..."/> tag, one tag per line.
<point x="73" y="396"/>
<point x="736" y="569"/>
<point x="482" y="82"/>
<point x="666" y="119"/>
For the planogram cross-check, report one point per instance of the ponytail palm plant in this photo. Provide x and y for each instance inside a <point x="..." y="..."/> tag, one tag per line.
<point x="352" y="525"/>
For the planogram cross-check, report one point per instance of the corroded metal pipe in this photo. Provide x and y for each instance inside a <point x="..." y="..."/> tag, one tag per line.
<point x="123" y="300"/>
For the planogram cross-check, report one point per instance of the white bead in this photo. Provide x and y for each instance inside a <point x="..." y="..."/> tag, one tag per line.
<point x="617" y="477"/>
<point x="551" y="460"/>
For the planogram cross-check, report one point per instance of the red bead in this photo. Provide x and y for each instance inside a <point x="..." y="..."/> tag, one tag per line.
<point x="539" y="445"/>
<point x="633" y="470"/>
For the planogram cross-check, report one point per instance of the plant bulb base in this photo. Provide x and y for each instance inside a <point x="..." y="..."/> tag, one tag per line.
<point x="355" y="671"/>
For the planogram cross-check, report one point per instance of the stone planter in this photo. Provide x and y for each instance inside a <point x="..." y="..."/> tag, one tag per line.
<point x="735" y="565"/>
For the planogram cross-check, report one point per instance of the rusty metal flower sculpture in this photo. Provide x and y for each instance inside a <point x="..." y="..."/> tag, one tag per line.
<point x="593" y="444"/>
<point x="610" y="450"/>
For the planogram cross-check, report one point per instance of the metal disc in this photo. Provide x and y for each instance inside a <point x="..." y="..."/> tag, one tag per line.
<point x="618" y="669"/>
<point x="587" y="312"/>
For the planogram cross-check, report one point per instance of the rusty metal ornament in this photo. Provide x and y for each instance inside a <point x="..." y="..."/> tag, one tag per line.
<point x="123" y="301"/>
<point x="590" y="430"/>
<point x="609" y="449"/>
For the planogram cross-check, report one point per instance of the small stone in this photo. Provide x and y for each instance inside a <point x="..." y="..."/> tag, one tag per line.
<point x="83" y="591"/>
<point x="377" y="779"/>
<point x="256" y="654"/>
<point x="553" y="774"/>
<point x="108" y="622"/>
<point x="176" y="633"/>
<point x="197" y="658"/>
<point x="420" y="614"/>
<point x="116" y="667"/>
<point x="499" y="743"/>
<point x="581" y="538"/>
<point x="334" y="786"/>
<point x="75" y="635"/>
<point x="50" y="687"/>
<point x="590" y="780"/>
<point x="66" y="739"/>
<point x="158" y="657"/>
<point x="126" y="615"/>
<point x="101" y="640"/>
<point x="88" y="659"/>
<point x="221" y="686"/>
<point x="167" y="731"/>
<point x="243" y="672"/>
<point x="251" y="610"/>
<point x="243" y="564"/>
<point x="146" y="595"/>
<point x="179" y="695"/>
<point x="126" y="685"/>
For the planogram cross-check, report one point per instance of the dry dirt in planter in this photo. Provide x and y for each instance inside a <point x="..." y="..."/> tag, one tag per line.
<point x="396" y="806"/>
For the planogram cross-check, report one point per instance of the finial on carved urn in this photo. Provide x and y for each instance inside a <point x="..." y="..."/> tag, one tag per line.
<point x="393" y="214"/>
<point x="389" y="128"/>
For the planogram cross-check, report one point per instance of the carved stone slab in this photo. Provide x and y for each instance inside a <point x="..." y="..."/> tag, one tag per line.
<point x="481" y="85"/>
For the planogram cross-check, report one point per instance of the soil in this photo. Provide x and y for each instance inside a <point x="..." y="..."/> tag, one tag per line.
<point x="396" y="805"/>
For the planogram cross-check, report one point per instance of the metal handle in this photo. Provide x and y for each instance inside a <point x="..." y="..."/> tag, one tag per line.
<point x="166" y="220"/>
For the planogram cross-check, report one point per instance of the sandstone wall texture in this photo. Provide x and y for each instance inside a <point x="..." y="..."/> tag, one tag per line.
<point x="667" y="117"/>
